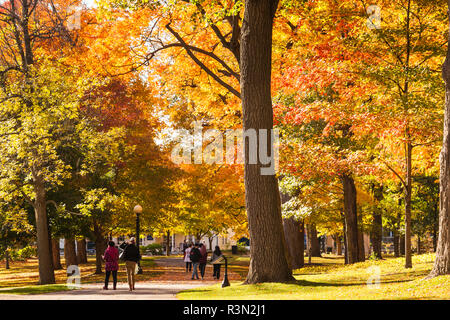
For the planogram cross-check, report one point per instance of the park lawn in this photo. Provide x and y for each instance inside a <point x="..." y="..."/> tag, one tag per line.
<point x="329" y="278"/>
<point x="26" y="274"/>
<point x="37" y="289"/>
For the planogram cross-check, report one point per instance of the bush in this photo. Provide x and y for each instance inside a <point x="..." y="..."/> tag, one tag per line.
<point x="153" y="249"/>
<point x="20" y="254"/>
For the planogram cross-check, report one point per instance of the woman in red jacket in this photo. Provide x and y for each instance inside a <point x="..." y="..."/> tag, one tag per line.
<point x="111" y="258"/>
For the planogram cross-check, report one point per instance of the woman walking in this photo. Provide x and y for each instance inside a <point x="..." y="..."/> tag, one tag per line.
<point x="111" y="257"/>
<point x="216" y="254"/>
<point x="187" y="258"/>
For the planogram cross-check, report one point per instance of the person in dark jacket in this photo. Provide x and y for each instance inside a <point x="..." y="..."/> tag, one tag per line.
<point x="131" y="257"/>
<point x="203" y="259"/>
<point x="216" y="254"/>
<point x="195" y="256"/>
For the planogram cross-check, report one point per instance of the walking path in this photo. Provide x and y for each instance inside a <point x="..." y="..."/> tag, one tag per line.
<point x="163" y="287"/>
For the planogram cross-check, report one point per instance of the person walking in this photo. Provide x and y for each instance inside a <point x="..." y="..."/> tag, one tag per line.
<point x="195" y="256"/>
<point x="203" y="259"/>
<point x="131" y="257"/>
<point x="111" y="257"/>
<point x="216" y="254"/>
<point x="187" y="258"/>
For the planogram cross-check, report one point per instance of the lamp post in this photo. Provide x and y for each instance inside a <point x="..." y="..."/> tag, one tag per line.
<point x="138" y="210"/>
<point x="225" y="282"/>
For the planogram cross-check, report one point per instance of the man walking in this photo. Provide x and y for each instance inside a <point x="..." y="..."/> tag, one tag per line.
<point x="131" y="257"/>
<point x="195" y="258"/>
<point x="203" y="259"/>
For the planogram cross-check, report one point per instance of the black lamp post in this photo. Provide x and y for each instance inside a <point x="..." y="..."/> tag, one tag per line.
<point x="138" y="210"/>
<point x="225" y="282"/>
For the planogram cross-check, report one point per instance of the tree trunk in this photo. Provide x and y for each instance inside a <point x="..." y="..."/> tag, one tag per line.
<point x="345" y="243"/>
<point x="396" y="244"/>
<point x="376" y="233"/>
<point x="361" y="251"/>
<point x="70" y="256"/>
<point x="402" y="244"/>
<point x="268" y="250"/>
<point x="418" y="245"/>
<point x="81" y="251"/>
<point x="313" y="241"/>
<point x="46" y="272"/>
<point x="56" y="254"/>
<point x="339" y="245"/>
<point x="6" y="258"/>
<point x="408" y="258"/>
<point x="100" y="247"/>
<point x="351" y="219"/>
<point x="442" y="263"/>
<point x="294" y="234"/>
<point x="168" y="243"/>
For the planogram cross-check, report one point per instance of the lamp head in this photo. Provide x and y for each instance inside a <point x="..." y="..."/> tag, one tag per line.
<point x="137" y="209"/>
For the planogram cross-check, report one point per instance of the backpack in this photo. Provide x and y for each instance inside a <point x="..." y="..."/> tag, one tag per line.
<point x="195" y="255"/>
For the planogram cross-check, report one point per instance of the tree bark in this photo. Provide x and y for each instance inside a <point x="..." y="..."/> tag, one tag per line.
<point x="294" y="234"/>
<point x="46" y="272"/>
<point x="442" y="262"/>
<point x="408" y="257"/>
<point x="419" y="249"/>
<point x="269" y="256"/>
<point x="402" y="244"/>
<point x="361" y="250"/>
<point x="6" y="258"/>
<point x="345" y="243"/>
<point x="81" y="251"/>
<point x="313" y="241"/>
<point x="339" y="245"/>
<point x="351" y="219"/>
<point x="396" y="244"/>
<point x="168" y="243"/>
<point x="56" y="254"/>
<point x="70" y="256"/>
<point x="100" y="247"/>
<point x="376" y="233"/>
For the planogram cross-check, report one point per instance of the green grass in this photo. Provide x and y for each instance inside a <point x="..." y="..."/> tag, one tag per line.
<point x="35" y="289"/>
<point x="329" y="278"/>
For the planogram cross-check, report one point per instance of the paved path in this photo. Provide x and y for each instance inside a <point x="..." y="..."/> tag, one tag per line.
<point x="164" y="287"/>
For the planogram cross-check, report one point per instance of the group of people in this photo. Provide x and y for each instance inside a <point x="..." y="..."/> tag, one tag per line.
<point x="130" y="255"/>
<point x="196" y="257"/>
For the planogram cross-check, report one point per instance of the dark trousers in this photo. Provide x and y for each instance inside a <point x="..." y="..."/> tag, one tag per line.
<point x="114" y="274"/>
<point x="216" y="273"/>
<point x="188" y="266"/>
<point x="202" y="269"/>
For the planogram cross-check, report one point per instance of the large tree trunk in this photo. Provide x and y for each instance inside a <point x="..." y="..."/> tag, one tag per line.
<point x="351" y="219"/>
<point x="269" y="256"/>
<point x="345" y="243"/>
<point x="81" y="251"/>
<point x="56" y="254"/>
<point x="100" y="247"/>
<point x="313" y="240"/>
<point x="442" y="262"/>
<point x="46" y="272"/>
<point x="70" y="256"/>
<point x="294" y="234"/>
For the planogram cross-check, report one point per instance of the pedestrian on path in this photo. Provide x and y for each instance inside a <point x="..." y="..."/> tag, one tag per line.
<point x="195" y="258"/>
<point x="203" y="259"/>
<point x="131" y="257"/>
<point x="187" y="258"/>
<point x="111" y="257"/>
<point x="216" y="254"/>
